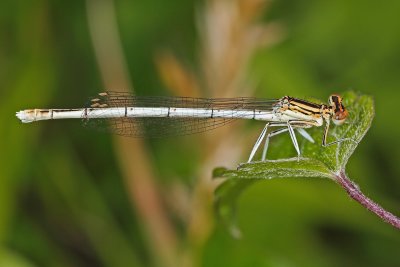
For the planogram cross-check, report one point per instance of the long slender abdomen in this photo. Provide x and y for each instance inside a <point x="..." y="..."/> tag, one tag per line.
<point x="31" y="115"/>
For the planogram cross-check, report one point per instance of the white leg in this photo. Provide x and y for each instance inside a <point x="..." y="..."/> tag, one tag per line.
<point x="325" y="136"/>
<point x="294" y="140"/>
<point x="258" y="142"/>
<point x="264" y="154"/>
<point x="305" y="134"/>
<point x="277" y="132"/>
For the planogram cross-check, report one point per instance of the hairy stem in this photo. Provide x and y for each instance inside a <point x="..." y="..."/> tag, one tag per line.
<point x="355" y="193"/>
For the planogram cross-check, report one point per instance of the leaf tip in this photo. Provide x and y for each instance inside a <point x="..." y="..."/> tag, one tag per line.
<point x="218" y="172"/>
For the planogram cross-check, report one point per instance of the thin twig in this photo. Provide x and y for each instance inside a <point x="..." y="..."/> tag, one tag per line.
<point x="355" y="193"/>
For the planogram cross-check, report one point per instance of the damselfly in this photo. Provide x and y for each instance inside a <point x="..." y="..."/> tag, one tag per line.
<point x="136" y="116"/>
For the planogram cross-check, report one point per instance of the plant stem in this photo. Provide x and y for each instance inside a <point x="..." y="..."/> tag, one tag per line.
<point x="354" y="192"/>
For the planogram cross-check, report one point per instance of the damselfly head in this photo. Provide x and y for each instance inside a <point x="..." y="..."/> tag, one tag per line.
<point x="339" y="112"/>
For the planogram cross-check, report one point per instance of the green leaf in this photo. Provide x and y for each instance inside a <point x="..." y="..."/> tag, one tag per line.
<point x="316" y="161"/>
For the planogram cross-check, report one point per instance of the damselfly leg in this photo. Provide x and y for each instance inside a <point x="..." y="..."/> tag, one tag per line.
<point x="289" y="127"/>
<point x="305" y="134"/>
<point x="301" y="131"/>
<point x="325" y="137"/>
<point x="266" y="144"/>
<point x="294" y="139"/>
<point x="258" y="142"/>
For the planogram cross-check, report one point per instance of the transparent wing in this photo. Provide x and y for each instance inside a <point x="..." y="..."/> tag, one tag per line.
<point x="167" y="126"/>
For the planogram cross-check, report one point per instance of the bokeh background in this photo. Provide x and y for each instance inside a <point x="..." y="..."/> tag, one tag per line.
<point x="74" y="197"/>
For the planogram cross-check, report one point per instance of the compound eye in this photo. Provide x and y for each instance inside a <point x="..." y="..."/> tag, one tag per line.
<point x="339" y="111"/>
<point x="340" y="117"/>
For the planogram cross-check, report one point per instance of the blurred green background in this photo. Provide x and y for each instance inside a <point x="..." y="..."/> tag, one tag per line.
<point x="69" y="196"/>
